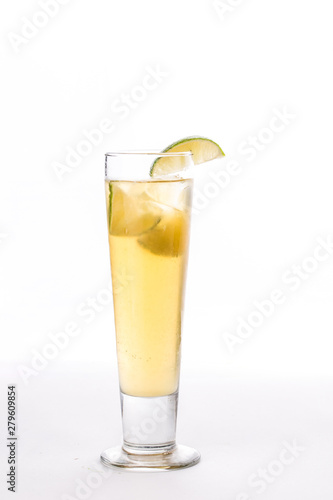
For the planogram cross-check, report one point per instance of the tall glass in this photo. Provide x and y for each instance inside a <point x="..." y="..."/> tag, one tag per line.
<point x="148" y="221"/>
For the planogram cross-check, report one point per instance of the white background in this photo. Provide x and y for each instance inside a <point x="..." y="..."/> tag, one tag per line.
<point x="225" y="73"/>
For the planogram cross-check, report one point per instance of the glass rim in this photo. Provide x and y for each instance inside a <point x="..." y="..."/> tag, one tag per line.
<point x="149" y="153"/>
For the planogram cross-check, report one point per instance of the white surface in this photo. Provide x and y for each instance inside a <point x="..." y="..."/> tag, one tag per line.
<point x="66" y="417"/>
<point x="226" y="78"/>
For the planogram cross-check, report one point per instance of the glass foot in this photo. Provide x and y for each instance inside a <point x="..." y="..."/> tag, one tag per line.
<point x="178" y="457"/>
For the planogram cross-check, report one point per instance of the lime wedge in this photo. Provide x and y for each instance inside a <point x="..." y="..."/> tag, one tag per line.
<point x="169" y="238"/>
<point x="202" y="150"/>
<point x="130" y="211"/>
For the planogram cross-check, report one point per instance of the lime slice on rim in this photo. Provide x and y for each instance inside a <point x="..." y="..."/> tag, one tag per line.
<point x="202" y="150"/>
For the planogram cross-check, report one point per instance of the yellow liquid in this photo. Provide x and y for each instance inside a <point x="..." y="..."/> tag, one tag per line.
<point x="148" y="237"/>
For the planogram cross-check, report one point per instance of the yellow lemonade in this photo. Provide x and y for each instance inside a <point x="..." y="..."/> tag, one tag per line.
<point x="148" y="226"/>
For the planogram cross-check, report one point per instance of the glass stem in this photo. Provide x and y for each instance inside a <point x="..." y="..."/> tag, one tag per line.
<point x="149" y="423"/>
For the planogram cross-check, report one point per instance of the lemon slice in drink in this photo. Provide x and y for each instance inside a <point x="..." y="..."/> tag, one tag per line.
<point x="202" y="150"/>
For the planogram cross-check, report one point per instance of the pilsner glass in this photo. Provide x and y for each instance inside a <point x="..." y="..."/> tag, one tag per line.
<point x="148" y="220"/>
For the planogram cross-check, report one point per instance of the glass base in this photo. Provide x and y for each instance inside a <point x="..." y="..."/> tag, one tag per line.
<point x="179" y="457"/>
<point x="149" y="436"/>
